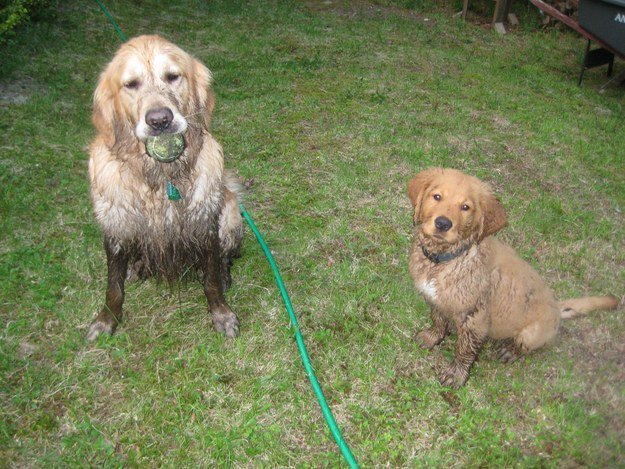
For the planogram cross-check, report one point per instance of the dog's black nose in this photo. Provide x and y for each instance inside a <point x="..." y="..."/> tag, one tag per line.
<point x="443" y="223"/>
<point x="159" y="119"/>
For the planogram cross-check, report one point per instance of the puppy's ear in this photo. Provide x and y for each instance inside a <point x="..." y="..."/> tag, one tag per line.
<point x="417" y="187"/>
<point x="494" y="216"/>
<point x="203" y="93"/>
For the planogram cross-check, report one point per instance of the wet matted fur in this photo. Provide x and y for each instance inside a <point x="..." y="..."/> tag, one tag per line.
<point x="152" y="87"/>
<point x="473" y="282"/>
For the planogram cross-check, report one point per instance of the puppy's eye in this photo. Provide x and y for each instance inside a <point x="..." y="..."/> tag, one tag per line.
<point x="437" y="197"/>
<point x="132" y="84"/>
<point x="465" y="207"/>
<point x="172" y="77"/>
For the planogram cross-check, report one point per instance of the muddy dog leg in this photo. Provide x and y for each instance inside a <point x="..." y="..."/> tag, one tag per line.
<point x="472" y="333"/>
<point x="230" y="236"/>
<point x="224" y="319"/>
<point x="111" y="314"/>
<point x="432" y="336"/>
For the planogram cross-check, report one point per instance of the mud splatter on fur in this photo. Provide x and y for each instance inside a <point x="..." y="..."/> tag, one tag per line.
<point x="486" y="291"/>
<point x="202" y="232"/>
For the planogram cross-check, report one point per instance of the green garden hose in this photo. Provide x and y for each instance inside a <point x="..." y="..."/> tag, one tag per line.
<point x="327" y="413"/>
<point x="112" y="20"/>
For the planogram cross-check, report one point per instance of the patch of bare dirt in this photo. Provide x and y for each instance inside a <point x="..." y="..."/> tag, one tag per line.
<point x="599" y="353"/>
<point x="17" y="92"/>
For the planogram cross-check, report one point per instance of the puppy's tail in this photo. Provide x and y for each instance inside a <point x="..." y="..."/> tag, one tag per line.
<point x="578" y="306"/>
<point x="234" y="185"/>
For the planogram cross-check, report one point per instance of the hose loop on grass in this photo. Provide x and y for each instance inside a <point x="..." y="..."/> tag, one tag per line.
<point x="325" y="409"/>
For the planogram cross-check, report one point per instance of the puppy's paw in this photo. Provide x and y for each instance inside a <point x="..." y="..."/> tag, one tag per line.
<point x="508" y="352"/>
<point x="429" y="338"/>
<point x="454" y="376"/>
<point x="225" y="321"/>
<point x="99" y="327"/>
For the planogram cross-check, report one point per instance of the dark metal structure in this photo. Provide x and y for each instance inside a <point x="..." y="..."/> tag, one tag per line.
<point x="602" y="22"/>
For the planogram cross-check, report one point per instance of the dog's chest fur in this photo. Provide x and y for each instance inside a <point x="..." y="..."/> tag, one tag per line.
<point x="170" y="237"/>
<point x="131" y="203"/>
<point x="454" y="287"/>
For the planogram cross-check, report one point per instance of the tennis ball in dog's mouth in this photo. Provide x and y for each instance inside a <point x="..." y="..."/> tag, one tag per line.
<point x="165" y="147"/>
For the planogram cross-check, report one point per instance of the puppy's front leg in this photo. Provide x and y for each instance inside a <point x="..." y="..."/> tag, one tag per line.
<point x="434" y="335"/>
<point x="472" y="332"/>
<point x="111" y="314"/>
<point x="224" y="319"/>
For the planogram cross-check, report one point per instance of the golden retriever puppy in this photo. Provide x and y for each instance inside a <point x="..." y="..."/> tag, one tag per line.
<point x="161" y="218"/>
<point x="473" y="282"/>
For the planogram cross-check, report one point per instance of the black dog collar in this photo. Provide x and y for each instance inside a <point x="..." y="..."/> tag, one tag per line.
<point x="445" y="256"/>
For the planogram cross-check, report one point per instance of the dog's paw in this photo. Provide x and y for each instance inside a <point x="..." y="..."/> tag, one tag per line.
<point x="508" y="352"/>
<point x="454" y="376"/>
<point x="429" y="338"/>
<point x="98" y="327"/>
<point x="225" y="321"/>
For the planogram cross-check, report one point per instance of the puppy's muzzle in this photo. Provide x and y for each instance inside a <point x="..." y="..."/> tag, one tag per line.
<point x="159" y="119"/>
<point x="443" y="224"/>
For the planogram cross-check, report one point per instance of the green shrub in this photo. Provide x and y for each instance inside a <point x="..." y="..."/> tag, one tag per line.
<point x="14" y="13"/>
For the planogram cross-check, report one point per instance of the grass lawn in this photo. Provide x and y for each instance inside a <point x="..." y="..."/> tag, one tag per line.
<point x="330" y="107"/>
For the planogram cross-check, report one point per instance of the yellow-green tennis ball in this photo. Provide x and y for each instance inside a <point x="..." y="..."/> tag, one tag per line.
<point x="165" y="147"/>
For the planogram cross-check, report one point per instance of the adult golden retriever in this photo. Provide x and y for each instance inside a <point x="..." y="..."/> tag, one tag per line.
<point x="151" y="87"/>
<point x="473" y="282"/>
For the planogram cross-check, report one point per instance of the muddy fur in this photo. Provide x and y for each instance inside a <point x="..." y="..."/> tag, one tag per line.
<point x="474" y="283"/>
<point x="143" y="229"/>
<point x="177" y="251"/>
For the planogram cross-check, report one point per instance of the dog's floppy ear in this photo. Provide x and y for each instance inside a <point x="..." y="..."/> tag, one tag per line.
<point x="494" y="216"/>
<point x="203" y="92"/>
<point x="417" y="187"/>
<point x="103" y="116"/>
<point x="111" y="122"/>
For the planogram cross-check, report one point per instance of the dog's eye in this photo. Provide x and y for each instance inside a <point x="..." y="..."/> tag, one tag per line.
<point x="172" y="77"/>
<point x="437" y="197"/>
<point x="132" y="84"/>
<point x="465" y="207"/>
